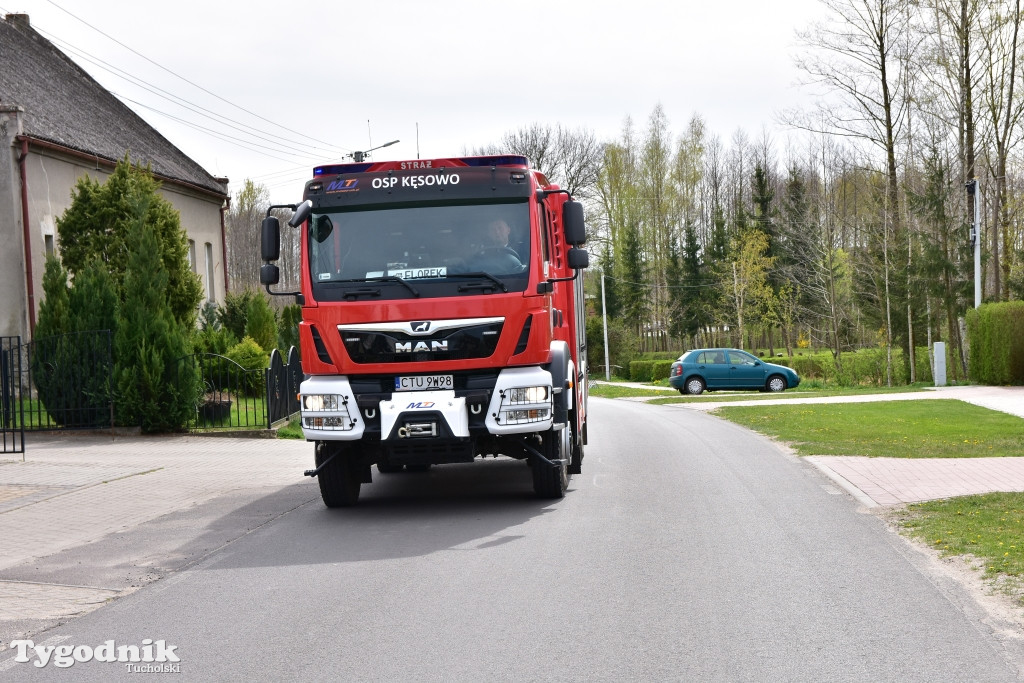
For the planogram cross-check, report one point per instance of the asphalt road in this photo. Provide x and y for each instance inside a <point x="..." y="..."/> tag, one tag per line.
<point x="690" y="549"/>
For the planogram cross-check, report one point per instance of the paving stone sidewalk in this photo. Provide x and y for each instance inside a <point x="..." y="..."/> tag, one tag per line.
<point x="75" y="490"/>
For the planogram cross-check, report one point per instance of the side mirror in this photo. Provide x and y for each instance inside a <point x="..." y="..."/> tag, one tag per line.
<point x="573" y="224"/>
<point x="269" y="274"/>
<point x="270" y="239"/>
<point x="578" y="258"/>
<point x="301" y="214"/>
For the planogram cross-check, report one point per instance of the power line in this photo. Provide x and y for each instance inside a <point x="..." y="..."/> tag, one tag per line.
<point x="171" y="97"/>
<point x="194" y="85"/>
<point x="247" y="144"/>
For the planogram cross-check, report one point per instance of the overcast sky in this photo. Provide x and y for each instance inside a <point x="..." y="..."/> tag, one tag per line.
<point x="319" y="80"/>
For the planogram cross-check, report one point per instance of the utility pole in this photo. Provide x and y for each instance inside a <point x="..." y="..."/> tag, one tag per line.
<point x="973" y="190"/>
<point x="604" y="320"/>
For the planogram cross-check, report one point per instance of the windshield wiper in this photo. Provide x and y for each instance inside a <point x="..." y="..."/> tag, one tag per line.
<point x="479" y="285"/>
<point x="395" y="278"/>
<point x="382" y="278"/>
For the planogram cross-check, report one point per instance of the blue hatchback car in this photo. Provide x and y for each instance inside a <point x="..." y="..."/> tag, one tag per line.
<point x="713" y="369"/>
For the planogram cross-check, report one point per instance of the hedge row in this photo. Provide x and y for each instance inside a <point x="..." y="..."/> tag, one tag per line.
<point x="996" y="332"/>
<point x="865" y="366"/>
<point x="649" y="370"/>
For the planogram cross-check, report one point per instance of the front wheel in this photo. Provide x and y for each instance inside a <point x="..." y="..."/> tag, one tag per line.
<point x="340" y="480"/>
<point x="695" y="386"/>
<point x="776" y="383"/>
<point x="551" y="482"/>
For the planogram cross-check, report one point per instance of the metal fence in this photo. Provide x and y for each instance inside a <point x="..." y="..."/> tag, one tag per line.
<point x="65" y="383"/>
<point x="12" y="417"/>
<point x="233" y="397"/>
<point x="283" y="381"/>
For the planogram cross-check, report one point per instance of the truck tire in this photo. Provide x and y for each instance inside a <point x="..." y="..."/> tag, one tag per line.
<point x="551" y="482"/>
<point x="340" y="480"/>
<point x="576" y="461"/>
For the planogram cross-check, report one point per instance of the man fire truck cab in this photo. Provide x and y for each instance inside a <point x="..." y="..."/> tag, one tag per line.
<point x="442" y="319"/>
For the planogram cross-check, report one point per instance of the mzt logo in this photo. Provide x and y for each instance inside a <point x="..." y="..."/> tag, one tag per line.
<point x="152" y="656"/>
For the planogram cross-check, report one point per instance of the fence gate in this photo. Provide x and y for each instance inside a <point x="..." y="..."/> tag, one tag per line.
<point x="12" y="415"/>
<point x="283" y="381"/>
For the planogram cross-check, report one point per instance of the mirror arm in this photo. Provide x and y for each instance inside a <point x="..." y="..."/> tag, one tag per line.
<point x="565" y="279"/>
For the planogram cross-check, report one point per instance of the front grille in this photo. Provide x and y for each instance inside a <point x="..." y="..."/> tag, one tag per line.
<point x="474" y="341"/>
<point x="413" y="451"/>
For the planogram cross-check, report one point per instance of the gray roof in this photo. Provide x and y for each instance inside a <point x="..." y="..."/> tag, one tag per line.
<point x="65" y="106"/>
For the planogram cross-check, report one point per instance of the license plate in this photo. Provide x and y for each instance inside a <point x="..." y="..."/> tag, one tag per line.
<point x="424" y="382"/>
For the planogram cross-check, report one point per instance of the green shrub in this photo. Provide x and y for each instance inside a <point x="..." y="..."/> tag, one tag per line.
<point x="157" y="387"/>
<point x="660" y="369"/>
<point x="623" y="343"/>
<point x="288" y="330"/>
<point x="253" y="359"/>
<point x="235" y="311"/>
<point x="72" y="354"/>
<point x="641" y="370"/>
<point x="261" y="323"/>
<point x="996" y="334"/>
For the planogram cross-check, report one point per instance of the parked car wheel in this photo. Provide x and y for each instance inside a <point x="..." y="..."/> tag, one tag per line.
<point x="695" y="386"/>
<point x="776" y="383"/>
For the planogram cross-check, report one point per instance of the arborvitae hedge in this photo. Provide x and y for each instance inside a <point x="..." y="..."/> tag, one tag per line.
<point x="996" y="334"/>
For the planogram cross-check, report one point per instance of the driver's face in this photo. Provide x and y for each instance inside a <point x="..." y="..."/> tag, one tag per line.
<point x="499" y="232"/>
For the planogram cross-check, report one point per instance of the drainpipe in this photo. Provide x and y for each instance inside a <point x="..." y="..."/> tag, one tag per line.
<point x="224" y="239"/>
<point x="28" y="238"/>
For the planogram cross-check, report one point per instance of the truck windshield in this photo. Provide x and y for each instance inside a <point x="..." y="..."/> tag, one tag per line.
<point x="420" y="245"/>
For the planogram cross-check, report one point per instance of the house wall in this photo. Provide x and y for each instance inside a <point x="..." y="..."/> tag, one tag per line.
<point x="51" y="178"/>
<point x="13" y="295"/>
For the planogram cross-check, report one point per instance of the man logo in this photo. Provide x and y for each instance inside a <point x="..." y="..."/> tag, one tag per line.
<point x="422" y="347"/>
<point x="421" y="326"/>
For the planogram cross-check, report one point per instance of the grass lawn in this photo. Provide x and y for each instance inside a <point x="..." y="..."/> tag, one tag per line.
<point x="622" y="391"/>
<point x="989" y="527"/>
<point x="292" y="430"/>
<point x="799" y="392"/>
<point x="941" y="428"/>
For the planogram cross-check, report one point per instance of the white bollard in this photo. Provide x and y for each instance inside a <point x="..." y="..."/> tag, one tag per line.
<point x="939" y="353"/>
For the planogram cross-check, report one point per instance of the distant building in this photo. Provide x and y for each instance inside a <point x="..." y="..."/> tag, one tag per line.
<point x="58" y="125"/>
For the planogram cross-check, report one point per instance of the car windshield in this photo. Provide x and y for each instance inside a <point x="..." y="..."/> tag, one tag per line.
<point x="419" y="243"/>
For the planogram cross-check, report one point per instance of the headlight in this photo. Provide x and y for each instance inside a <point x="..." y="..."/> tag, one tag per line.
<point x="319" y="402"/>
<point x="528" y="395"/>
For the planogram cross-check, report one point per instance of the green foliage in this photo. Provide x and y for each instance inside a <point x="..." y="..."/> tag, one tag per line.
<point x="996" y="333"/>
<point x="72" y="356"/>
<point x="253" y="359"/>
<point x="623" y="345"/>
<point x="53" y="310"/>
<point x="156" y="389"/>
<point x="288" y="330"/>
<point x="660" y="369"/>
<point x="235" y="312"/>
<point x="649" y="370"/>
<point x="641" y="370"/>
<point x="261" y="323"/>
<point x="212" y="337"/>
<point x="98" y="224"/>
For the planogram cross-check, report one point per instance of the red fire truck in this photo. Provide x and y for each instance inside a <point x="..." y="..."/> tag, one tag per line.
<point x="442" y="319"/>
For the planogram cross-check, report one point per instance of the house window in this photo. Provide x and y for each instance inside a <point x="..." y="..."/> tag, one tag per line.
<point x="192" y="255"/>
<point x="48" y="240"/>
<point x="209" y="272"/>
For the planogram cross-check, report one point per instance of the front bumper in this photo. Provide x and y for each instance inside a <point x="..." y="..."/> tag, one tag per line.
<point x="518" y="402"/>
